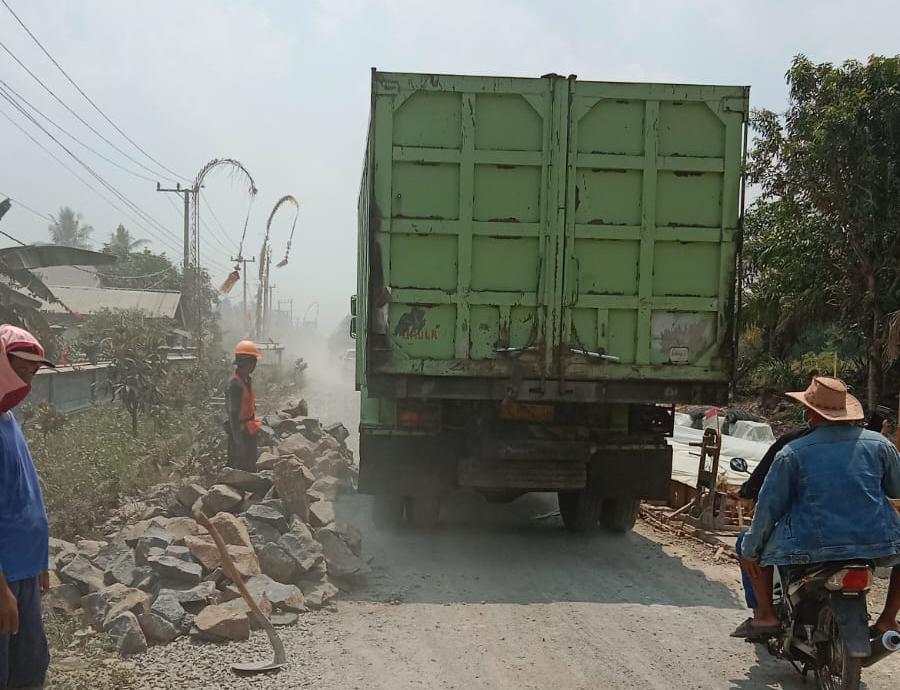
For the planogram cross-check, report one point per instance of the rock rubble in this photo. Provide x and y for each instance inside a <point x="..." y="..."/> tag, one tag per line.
<point x="159" y="576"/>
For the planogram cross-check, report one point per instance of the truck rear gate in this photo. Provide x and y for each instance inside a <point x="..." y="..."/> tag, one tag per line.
<point x="552" y="230"/>
<point x="548" y="241"/>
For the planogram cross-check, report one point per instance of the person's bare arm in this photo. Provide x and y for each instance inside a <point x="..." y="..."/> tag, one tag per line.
<point x="9" y="609"/>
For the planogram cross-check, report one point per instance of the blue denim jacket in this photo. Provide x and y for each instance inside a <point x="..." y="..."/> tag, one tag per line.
<point x="826" y="499"/>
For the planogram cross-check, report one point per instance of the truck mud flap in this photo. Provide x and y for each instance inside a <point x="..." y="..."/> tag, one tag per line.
<point x="635" y="472"/>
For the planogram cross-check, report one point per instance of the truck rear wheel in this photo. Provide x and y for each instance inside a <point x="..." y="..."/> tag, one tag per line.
<point x="387" y="511"/>
<point x="580" y="510"/>
<point x="620" y="514"/>
<point x="423" y="511"/>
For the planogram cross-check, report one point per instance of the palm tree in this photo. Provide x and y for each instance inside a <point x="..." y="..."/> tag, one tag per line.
<point x="68" y="230"/>
<point x="120" y="242"/>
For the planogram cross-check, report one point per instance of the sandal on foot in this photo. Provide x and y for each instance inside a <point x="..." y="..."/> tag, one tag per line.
<point x="748" y="630"/>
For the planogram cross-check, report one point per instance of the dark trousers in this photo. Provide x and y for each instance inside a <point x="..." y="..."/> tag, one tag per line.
<point x="24" y="657"/>
<point x="242" y="451"/>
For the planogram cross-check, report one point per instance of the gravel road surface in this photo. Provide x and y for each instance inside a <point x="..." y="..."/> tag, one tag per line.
<point x="501" y="598"/>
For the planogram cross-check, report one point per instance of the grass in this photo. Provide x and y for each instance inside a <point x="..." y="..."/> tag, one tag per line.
<point x="88" y="465"/>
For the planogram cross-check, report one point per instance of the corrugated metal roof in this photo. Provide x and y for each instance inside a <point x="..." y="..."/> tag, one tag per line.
<point x="89" y="300"/>
<point x="73" y="276"/>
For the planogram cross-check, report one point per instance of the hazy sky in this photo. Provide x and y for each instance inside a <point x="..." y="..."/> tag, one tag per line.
<point x="283" y="86"/>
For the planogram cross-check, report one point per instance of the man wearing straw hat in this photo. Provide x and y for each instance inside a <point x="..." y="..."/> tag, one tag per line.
<point x="826" y="498"/>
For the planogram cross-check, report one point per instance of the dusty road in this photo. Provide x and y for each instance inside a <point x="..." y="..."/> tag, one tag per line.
<point x="498" y="599"/>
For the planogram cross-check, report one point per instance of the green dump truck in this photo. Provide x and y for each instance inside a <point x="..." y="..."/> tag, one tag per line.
<point x="546" y="266"/>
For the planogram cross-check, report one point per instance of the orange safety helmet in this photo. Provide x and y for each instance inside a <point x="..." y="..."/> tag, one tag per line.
<point x="247" y="348"/>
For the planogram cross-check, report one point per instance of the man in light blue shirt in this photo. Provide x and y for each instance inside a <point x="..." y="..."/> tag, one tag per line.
<point x="24" y="655"/>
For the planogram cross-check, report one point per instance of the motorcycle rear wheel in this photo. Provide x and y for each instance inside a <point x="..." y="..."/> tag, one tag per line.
<point x="836" y="670"/>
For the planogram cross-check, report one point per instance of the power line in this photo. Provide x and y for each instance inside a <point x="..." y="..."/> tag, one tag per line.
<point x="86" y="97"/>
<point x="137" y="209"/>
<point x="76" y="115"/>
<point x="79" y="177"/>
<point x="27" y="208"/>
<point x="7" y="87"/>
<point x="226" y="256"/>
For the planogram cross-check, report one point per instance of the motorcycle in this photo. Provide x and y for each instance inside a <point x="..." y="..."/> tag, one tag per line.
<point x="825" y="620"/>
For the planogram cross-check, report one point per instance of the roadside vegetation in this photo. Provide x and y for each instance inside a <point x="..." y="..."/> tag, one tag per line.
<point x="821" y="254"/>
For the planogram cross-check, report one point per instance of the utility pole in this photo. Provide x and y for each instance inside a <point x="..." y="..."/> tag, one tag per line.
<point x="185" y="271"/>
<point x="243" y="262"/>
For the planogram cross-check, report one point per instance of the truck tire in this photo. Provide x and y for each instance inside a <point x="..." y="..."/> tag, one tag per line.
<point x="387" y="511"/>
<point x="423" y="512"/>
<point x="580" y="510"/>
<point x="620" y="514"/>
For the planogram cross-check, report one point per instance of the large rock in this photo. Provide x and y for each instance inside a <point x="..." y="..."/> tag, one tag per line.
<point x="101" y="608"/>
<point x="306" y="554"/>
<point x="341" y="560"/>
<point x="156" y="537"/>
<point x="132" y="533"/>
<point x="60" y="553"/>
<point x="143" y="553"/>
<point x="277" y="563"/>
<point x="240" y="605"/>
<point x="195" y="598"/>
<point x="231" y="529"/>
<point x="145" y="579"/>
<point x="268" y="515"/>
<point x="63" y="599"/>
<point x="245" y="481"/>
<point x="320" y="594"/>
<point x="338" y="431"/>
<point x="157" y="630"/>
<point x="126" y="632"/>
<point x="181" y="552"/>
<point x="327" y="487"/>
<point x="89" y="548"/>
<point x="291" y="486"/>
<point x="221" y="498"/>
<point x="121" y="569"/>
<point x="310" y="427"/>
<point x="283" y="596"/>
<point x="266" y="460"/>
<point x="205" y="551"/>
<point x="108" y="554"/>
<point x="169" y="608"/>
<point x="174" y="570"/>
<point x="188" y="494"/>
<point x="81" y="573"/>
<point x="321" y="513"/>
<point x="220" y="623"/>
<point x="352" y="537"/>
<point x="181" y="527"/>
<point x="262" y="534"/>
<point x="296" y="408"/>
<point x="298" y="445"/>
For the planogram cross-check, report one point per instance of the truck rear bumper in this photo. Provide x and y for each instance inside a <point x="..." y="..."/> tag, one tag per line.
<point x="409" y="465"/>
<point x="608" y="391"/>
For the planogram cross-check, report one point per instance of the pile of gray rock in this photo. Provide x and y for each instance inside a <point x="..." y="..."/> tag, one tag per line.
<point x="160" y="576"/>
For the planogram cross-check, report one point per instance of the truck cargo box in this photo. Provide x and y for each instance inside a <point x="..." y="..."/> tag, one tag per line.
<point x="549" y="238"/>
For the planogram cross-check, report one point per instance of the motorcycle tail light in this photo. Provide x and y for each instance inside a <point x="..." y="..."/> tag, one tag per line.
<point x="850" y="580"/>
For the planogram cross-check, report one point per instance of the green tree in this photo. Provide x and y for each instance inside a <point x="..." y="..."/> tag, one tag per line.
<point x="824" y="237"/>
<point x="68" y="230"/>
<point x="121" y="243"/>
<point x="144" y="270"/>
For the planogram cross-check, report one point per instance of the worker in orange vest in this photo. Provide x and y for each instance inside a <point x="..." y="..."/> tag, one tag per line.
<point x="240" y="403"/>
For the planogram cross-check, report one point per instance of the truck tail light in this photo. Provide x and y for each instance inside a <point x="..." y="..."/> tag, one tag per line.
<point x="422" y="416"/>
<point x="850" y="580"/>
